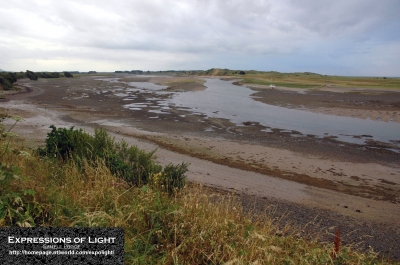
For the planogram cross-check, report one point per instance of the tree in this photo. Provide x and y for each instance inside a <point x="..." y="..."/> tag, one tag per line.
<point x="68" y="74"/>
<point x="31" y="75"/>
<point x="7" y="80"/>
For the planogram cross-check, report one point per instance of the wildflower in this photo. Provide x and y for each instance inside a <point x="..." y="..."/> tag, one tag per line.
<point x="24" y="154"/>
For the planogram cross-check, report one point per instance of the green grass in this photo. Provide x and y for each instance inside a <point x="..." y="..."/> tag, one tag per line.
<point x="282" y="84"/>
<point x="309" y="80"/>
<point x="191" y="226"/>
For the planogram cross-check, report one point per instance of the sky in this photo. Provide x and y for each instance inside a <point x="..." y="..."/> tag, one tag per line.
<point x="340" y="37"/>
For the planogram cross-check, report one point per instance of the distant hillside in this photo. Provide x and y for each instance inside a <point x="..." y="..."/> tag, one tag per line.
<point x="1" y="70"/>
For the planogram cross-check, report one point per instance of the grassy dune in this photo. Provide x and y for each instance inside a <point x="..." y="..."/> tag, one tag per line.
<point x="308" y="80"/>
<point x="190" y="226"/>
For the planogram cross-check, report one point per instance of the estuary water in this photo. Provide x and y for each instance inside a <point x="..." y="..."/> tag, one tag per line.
<point x="222" y="99"/>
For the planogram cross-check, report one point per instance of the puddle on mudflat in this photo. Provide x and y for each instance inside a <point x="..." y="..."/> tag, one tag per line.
<point x="147" y="86"/>
<point x="268" y="130"/>
<point x="159" y="112"/>
<point x="121" y="94"/>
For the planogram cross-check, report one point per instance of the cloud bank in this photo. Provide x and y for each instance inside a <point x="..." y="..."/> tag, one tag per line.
<point x="358" y="37"/>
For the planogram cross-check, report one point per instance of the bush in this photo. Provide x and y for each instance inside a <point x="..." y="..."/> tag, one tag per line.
<point x="5" y="83"/>
<point x="31" y="75"/>
<point x="7" y="80"/>
<point x="68" y="74"/>
<point x="48" y="75"/>
<point x="174" y="178"/>
<point x="130" y="163"/>
<point x="62" y="143"/>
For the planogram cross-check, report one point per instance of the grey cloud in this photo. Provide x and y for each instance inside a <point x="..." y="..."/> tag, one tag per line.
<point x="200" y="30"/>
<point x="340" y="18"/>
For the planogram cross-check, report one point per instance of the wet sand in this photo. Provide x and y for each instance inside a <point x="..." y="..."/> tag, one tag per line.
<point x="357" y="184"/>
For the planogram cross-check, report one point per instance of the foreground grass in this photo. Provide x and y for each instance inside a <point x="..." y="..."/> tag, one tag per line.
<point x="192" y="226"/>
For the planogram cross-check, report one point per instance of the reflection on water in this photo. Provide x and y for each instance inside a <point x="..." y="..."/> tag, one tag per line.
<point x="224" y="100"/>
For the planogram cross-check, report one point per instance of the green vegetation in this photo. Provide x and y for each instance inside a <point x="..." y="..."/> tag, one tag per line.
<point x="260" y="81"/>
<point x="300" y="80"/>
<point x="36" y="75"/>
<point x="8" y="79"/>
<point x="31" y="75"/>
<point x="68" y="74"/>
<point x="48" y="74"/>
<point x="131" y="164"/>
<point x="76" y="185"/>
<point x="312" y="80"/>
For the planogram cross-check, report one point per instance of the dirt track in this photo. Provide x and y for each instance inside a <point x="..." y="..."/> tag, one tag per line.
<point x="211" y="157"/>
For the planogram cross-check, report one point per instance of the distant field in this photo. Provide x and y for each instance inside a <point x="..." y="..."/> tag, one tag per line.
<point x="282" y="83"/>
<point x="311" y="80"/>
<point x="307" y="79"/>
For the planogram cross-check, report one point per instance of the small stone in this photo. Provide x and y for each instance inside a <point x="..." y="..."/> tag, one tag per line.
<point x="279" y="233"/>
<point x="358" y="211"/>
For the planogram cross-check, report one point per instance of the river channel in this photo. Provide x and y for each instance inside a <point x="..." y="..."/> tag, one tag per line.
<point x="222" y="99"/>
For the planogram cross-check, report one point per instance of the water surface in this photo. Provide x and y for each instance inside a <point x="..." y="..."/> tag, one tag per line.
<point x="224" y="100"/>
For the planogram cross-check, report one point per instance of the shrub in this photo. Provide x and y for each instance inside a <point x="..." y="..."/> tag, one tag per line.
<point x="63" y="143"/>
<point x="130" y="163"/>
<point x="31" y="75"/>
<point x="4" y="83"/>
<point x="7" y="80"/>
<point x="174" y="178"/>
<point x="48" y="75"/>
<point x="68" y="74"/>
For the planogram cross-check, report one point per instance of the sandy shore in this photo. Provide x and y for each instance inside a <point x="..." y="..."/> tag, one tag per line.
<point x="361" y="187"/>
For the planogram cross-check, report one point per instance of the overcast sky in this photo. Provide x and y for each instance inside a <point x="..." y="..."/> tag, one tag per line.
<point x="335" y="37"/>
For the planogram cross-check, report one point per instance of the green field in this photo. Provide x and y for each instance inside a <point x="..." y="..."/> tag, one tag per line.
<point x="308" y="80"/>
<point x="303" y="80"/>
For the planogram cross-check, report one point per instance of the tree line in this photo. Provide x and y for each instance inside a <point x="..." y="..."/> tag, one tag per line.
<point x="7" y="79"/>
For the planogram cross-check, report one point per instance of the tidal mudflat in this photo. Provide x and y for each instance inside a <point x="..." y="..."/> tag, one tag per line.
<point x="263" y="149"/>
